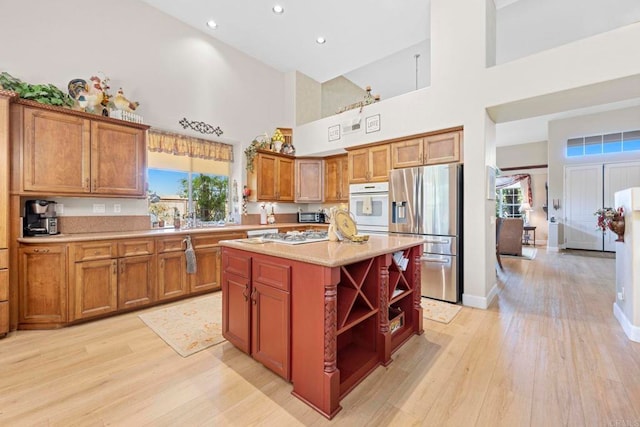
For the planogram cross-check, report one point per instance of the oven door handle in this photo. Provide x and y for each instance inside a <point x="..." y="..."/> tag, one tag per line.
<point x="436" y="260"/>
<point x="439" y="241"/>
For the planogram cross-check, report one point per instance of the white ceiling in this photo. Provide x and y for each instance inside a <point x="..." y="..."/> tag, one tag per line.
<point x="361" y="32"/>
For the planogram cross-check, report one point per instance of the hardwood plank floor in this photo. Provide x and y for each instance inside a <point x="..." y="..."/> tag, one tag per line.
<point x="548" y="352"/>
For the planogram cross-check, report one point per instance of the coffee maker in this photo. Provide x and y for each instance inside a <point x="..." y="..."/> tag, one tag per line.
<point x="39" y="218"/>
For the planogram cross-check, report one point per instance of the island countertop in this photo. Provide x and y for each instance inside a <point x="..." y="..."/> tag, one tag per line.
<point x="328" y="254"/>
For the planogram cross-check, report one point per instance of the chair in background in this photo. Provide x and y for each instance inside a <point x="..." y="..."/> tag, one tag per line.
<point x="510" y="242"/>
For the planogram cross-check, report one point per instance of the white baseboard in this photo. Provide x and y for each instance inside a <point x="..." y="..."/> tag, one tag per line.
<point x="480" y="302"/>
<point x="631" y="331"/>
<point x="553" y="249"/>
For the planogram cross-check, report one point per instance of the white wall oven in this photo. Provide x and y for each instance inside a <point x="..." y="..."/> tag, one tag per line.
<point x="369" y="205"/>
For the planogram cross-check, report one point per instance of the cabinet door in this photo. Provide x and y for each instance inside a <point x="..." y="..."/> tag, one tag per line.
<point x="285" y="182"/>
<point x="95" y="288"/>
<point x="379" y="163"/>
<point x="332" y="180"/>
<point x="266" y="170"/>
<point x="406" y="154"/>
<point x="136" y="281"/>
<point x="235" y="320"/>
<point x="43" y="284"/>
<point x="270" y="329"/>
<point x="309" y="180"/>
<point x="207" y="276"/>
<point x="56" y="152"/>
<point x="442" y="148"/>
<point x="172" y="275"/>
<point x="343" y="188"/>
<point x="118" y="159"/>
<point x="358" y="165"/>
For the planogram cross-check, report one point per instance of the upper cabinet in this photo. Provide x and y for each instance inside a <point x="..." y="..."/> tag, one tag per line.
<point x="370" y="164"/>
<point x="71" y="153"/>
<point x="427" y="150"/>
<point x="309" y="180"/>
<point x="272" y="178"/>
<point x="336" y="178"/>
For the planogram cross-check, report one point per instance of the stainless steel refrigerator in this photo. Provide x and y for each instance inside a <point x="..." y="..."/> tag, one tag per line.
<point x="427" y="201"/>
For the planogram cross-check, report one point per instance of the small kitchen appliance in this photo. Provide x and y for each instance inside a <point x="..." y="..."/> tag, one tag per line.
<point x="39" y="218"/>
<point x="311" y="217"/>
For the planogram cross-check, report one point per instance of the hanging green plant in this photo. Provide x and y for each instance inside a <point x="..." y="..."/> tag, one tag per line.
<point x="42" y="93"/>
<point x="259" y="142"/>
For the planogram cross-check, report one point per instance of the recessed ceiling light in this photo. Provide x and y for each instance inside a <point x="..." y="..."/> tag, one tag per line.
<point x="212" y="24"/>
<point x="277" y="9"/>
<point x="321" y="40"/>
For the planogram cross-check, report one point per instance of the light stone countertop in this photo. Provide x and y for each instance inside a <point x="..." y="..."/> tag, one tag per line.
<point x="328" y="254"/>
<point x="155" y="232"/>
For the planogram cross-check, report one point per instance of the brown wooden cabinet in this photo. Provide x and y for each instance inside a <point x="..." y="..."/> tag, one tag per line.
<point x="136" y="281"/>
<point x="5" y="98"/>
<point x="427" y="150"/>
<point x="370" y="164"/>
<point x="95" y="288"/>
<point x="336" y="178"/>
<point x="309" y="180"/>
<point x="172" y="268"/>
<point x="43" y="285"/>
<point x="100" y="156"/>
<point x="207" y="276"/>
<point x="272" y="178"/>
<point x="256" y="313"/>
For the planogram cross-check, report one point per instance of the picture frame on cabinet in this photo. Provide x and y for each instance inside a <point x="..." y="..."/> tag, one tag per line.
<point x="372" y="123"/>
<point x="334" y="133"/>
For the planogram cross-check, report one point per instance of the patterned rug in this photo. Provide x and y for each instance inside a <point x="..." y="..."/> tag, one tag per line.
<point x="188" y="327"/>
<point x="527" y="253"/>
<point x="439" y="311"/>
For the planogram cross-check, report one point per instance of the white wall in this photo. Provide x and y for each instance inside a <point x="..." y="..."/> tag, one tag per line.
<point x="593" y="124"/>
<point x="173" y="70"/>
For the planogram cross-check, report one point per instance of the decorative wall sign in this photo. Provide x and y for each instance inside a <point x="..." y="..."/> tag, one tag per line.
<point x="334" y="133"/>
<point x="201" y="127"/>
<point x="372" y="123"/>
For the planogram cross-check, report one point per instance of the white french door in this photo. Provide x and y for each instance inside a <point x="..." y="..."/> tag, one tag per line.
<point x="588" y="188"/>
<point x="583" y="196"/>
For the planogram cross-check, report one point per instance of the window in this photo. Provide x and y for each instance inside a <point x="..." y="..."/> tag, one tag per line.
<point x="187" y="185"/>
<point x="604" y="144"/>
<point x="508" y="202"/>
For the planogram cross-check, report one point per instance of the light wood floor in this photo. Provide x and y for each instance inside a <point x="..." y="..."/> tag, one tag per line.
<point x="547" y="353"/>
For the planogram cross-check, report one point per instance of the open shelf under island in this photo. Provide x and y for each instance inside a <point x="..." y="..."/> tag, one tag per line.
<point x="322" y="315"/>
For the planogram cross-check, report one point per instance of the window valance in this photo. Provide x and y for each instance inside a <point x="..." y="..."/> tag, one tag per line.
<point x="182" y="145"/>
<point x="523" y="179"/>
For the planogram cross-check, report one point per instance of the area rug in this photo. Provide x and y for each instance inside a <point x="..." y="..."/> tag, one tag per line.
<point x="439" y="311"/>
<point x="527" y="253"/>
<point x="188" y="327"/>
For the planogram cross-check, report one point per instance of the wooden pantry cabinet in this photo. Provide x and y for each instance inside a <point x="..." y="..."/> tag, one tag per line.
<point x="5" y="98"/>
<point x="427" y="150"/>
<point x="272" y="177"/>
<point x="369" y="164"/>
<point x="336" y="178"/>
<point x="58" y="151"/>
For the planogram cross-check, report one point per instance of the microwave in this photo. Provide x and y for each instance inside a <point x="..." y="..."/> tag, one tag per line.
<point x="311" y="217"/>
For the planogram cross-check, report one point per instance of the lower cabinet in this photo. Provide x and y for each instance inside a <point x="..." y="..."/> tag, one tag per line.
<point x="95" y="288"/>
<point x="172" y="275"/>
<point x="256" y="300"/>
<point x="136" y="281"/>
<point x="207" y="276"/>
<point x="43" y="285"/>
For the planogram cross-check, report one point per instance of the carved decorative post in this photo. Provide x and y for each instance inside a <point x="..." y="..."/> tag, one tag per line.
<point x="330" y="326"/>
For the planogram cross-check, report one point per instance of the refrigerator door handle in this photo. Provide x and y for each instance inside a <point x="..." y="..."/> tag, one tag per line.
<point x="438" y="260"/>
<point x="439" y="241"/>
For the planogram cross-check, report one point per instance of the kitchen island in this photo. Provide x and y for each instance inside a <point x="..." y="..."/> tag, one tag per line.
<point x="322" y="315"/>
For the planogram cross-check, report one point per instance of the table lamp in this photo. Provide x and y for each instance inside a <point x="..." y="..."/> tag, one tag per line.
<point x="525" y="208"/>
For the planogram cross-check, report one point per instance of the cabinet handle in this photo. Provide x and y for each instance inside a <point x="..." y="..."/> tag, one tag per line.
<point x="95" y="183"/>
<point x="41" y="251"/>
<point x="86" y="183"/>
<point x="253" y="296"/>
<point x="245" y="293"/>
<point x="115" y="266"/>
<point x="162" y="264"/>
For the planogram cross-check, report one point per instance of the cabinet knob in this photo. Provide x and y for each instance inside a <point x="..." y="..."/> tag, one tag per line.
<point x="41" y="251"/>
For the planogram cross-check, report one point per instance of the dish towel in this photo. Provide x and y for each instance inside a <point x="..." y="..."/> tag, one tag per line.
<point x="190" y="254"/>
<point x="367" y="208"/>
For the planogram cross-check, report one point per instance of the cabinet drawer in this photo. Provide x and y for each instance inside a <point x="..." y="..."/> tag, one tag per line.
<point x="93" y="250"/>
<point x="271" y="274"/>
<point x="171" y="245"/>
<point x="4" y="317"/>
<point x="233" y="263"/>
<point x="209" y="240"/>
<point x="4" y="258"/>
<point x="135" y="247"/>
<point x="4" y="285"/>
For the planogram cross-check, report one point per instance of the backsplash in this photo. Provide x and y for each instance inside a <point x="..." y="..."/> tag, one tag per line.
<point x="102" y="224"/>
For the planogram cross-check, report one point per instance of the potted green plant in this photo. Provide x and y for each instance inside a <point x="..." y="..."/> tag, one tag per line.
<point x="42" y="93"/>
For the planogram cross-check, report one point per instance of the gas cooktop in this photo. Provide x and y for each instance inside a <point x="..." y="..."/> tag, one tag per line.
<point x="296" y="237"/>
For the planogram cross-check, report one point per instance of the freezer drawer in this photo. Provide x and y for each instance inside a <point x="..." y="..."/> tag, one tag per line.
<point x="444" y="245"/>
<point x="439" y="277"/>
